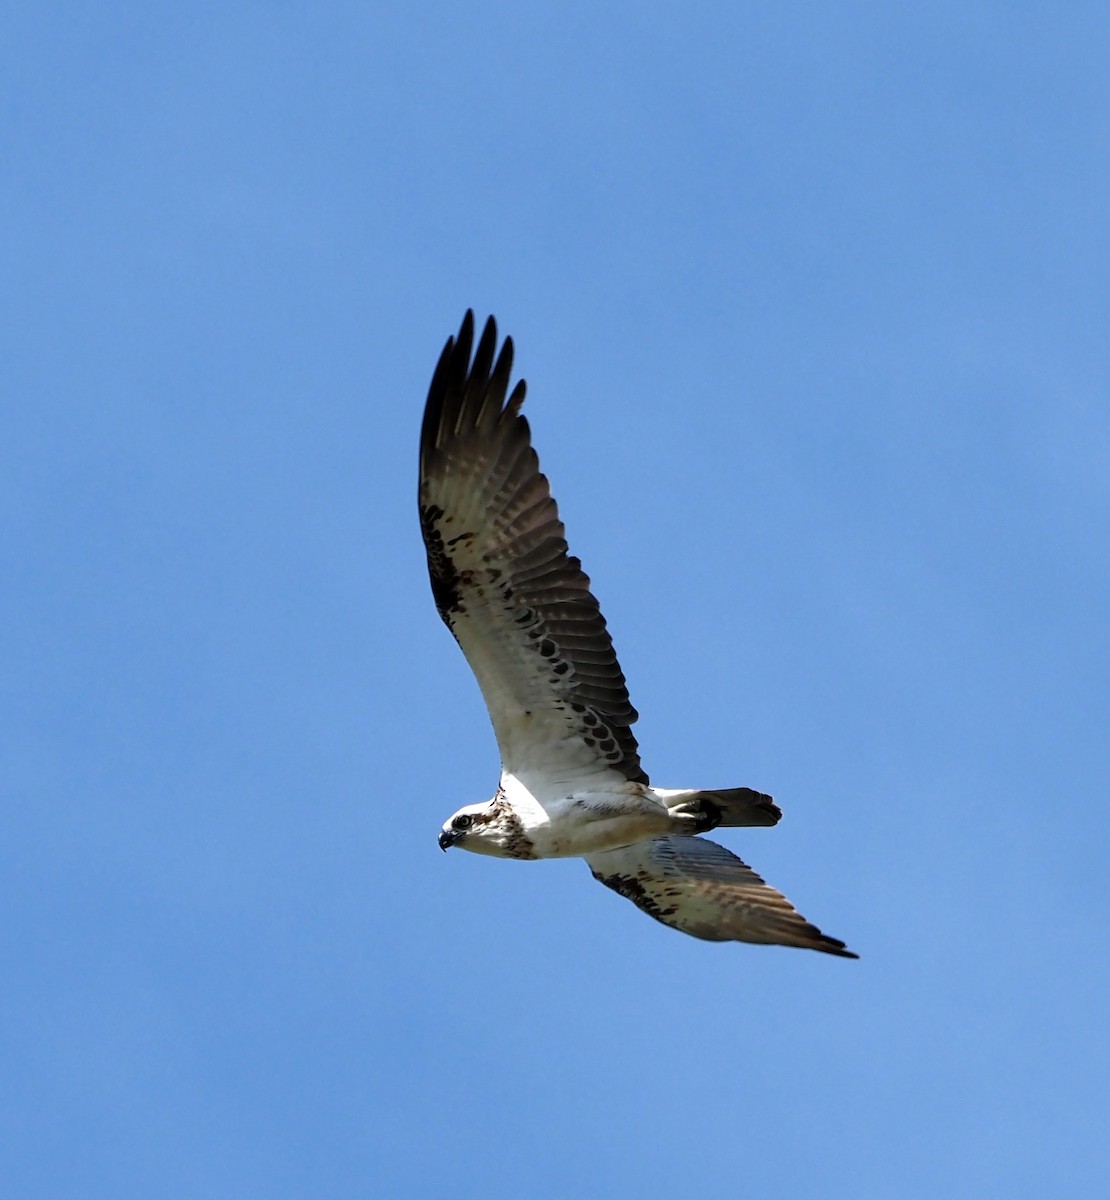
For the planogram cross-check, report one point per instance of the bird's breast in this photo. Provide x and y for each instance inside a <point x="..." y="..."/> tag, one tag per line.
<point x="585" y="822"/>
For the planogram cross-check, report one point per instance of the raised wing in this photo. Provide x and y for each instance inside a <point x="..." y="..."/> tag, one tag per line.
<point x="702" y="889"/>
<point x="518" y="604"/>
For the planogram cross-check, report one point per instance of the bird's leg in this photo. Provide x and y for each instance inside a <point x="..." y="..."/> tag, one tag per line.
<point x="695" y="816"/>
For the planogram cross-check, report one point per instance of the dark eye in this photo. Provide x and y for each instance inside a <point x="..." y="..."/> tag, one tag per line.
<point x="462" y="822"/>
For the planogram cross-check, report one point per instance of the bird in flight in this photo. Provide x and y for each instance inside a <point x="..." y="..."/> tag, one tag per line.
<point x="521" y="608"/>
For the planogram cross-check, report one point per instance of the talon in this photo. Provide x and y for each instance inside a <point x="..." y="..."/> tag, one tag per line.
<point x="703" y="817"/>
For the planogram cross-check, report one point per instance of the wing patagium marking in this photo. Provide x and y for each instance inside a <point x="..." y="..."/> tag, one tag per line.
<point x="696" y="886"/>
<point x="517" y="602"/>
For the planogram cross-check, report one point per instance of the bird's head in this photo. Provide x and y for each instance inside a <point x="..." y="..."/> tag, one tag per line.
<point x="484" y="829"/>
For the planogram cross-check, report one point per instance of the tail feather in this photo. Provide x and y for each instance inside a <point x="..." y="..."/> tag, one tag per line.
<point x="729" y="808"/>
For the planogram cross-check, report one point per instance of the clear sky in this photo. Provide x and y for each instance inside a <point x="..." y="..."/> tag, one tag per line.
<point x="814" y="306"/>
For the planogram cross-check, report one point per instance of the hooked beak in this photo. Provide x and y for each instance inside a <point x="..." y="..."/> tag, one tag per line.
<point x="447" y="839"/>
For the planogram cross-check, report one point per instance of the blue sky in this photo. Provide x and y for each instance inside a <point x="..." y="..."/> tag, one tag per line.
<point x="813" y="305"/>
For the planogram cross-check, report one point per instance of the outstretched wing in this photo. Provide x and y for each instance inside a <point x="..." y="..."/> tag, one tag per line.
<point x="518" y="604"/>
<point x="701" y="888"/>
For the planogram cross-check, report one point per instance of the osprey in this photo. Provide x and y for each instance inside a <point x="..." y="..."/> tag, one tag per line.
<point x="521" y="609"/>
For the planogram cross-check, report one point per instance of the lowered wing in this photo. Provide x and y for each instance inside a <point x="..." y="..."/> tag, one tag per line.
<point x="704" y="890"/>
<point x="517" y="603"/>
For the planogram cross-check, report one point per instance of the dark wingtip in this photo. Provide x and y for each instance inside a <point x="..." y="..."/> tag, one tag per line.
<point x="831" y="945"/>
<point x="516" y="400"/>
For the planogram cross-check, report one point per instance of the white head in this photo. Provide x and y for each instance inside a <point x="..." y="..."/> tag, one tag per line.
<point x="488" y="828"/>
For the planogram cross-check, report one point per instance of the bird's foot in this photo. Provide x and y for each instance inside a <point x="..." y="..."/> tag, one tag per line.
<point x="693" y="818"/>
